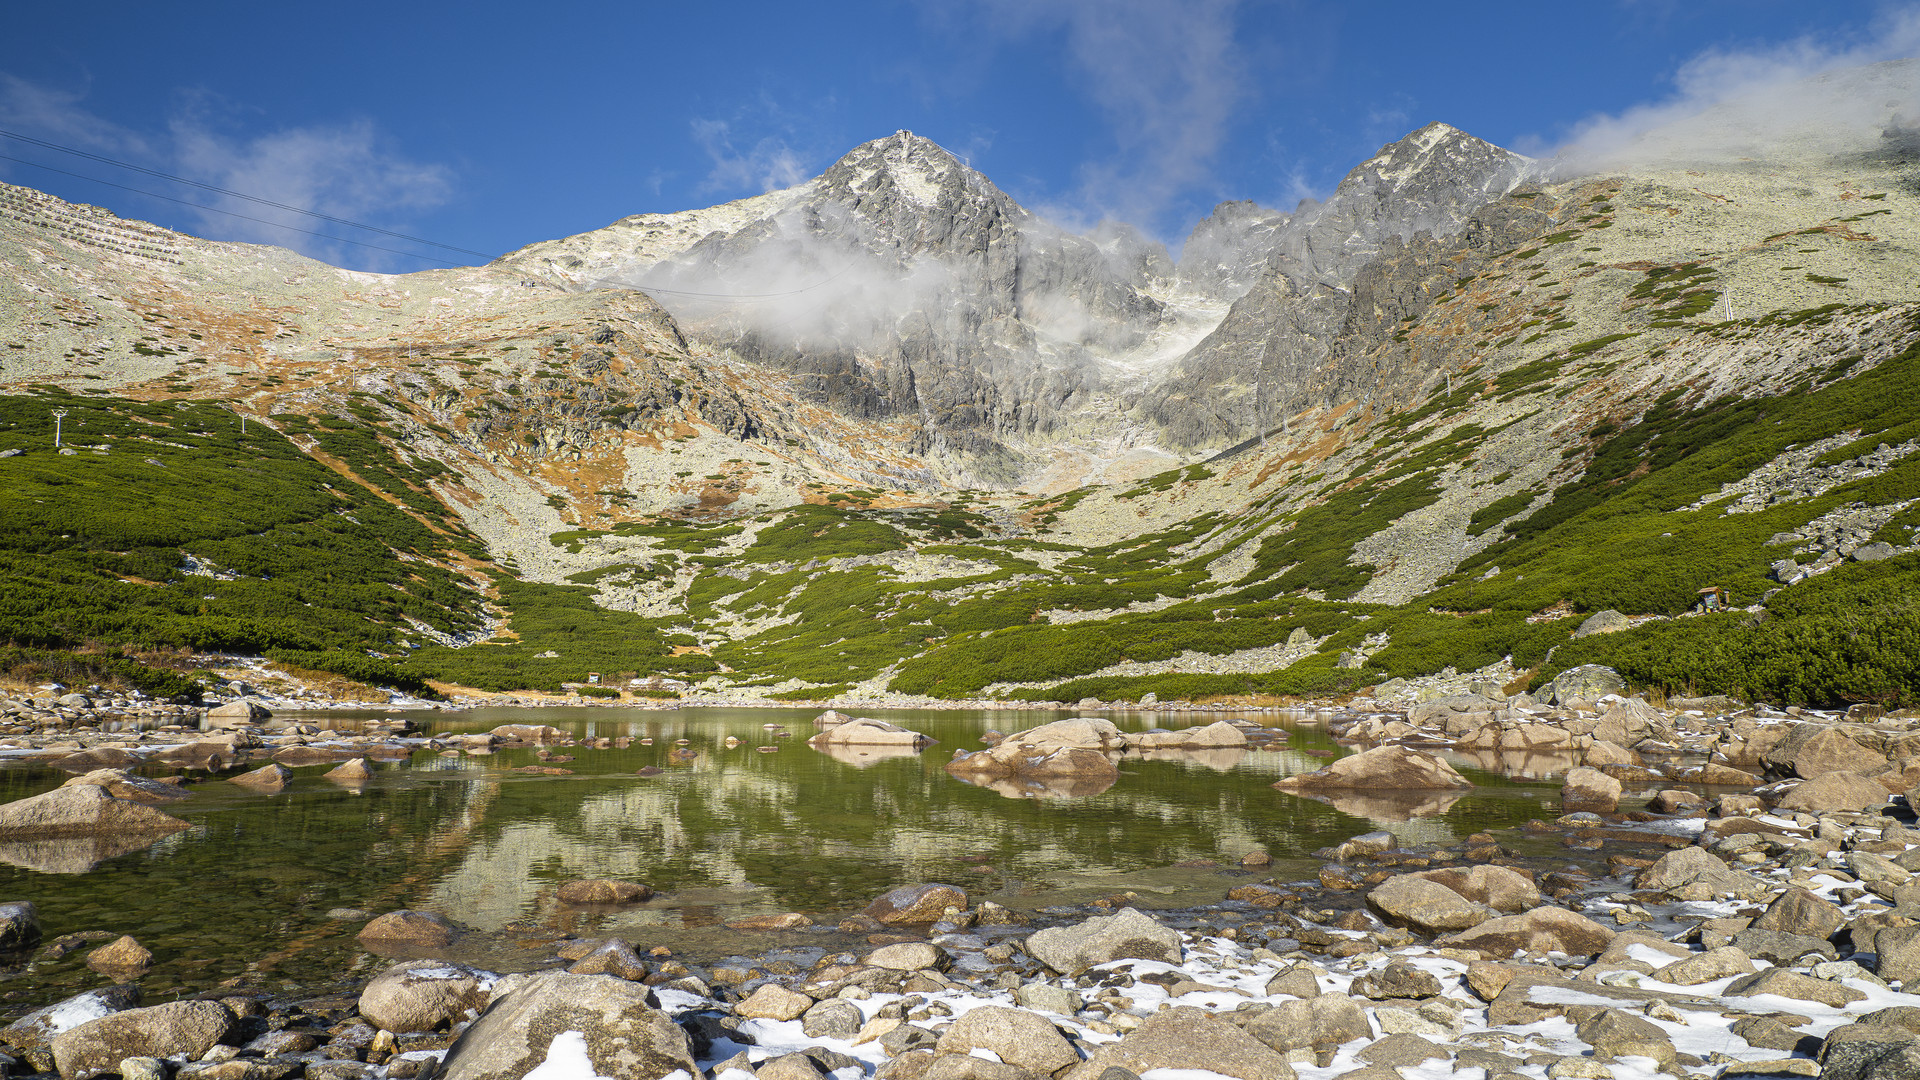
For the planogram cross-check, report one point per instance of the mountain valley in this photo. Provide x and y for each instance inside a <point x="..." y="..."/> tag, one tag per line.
<point x="889" y="437"/>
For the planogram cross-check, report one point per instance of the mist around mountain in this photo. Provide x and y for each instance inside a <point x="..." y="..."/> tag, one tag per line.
<point x="888" y="436"/>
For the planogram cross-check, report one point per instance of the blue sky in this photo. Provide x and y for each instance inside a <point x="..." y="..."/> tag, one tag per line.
<point x="488" y="126"/>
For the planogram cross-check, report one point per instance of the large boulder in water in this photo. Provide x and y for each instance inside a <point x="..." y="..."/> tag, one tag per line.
<point x="1079" y="747"/>
<point x="122" y="784"/>
<point x="407" y="931"/>
<point x="1219" y="734"/>
<point x="570" y="1025"/>
<point x="82" y="810"/>
<point x="865" y="731"/>
<point x="1383" y="768"/>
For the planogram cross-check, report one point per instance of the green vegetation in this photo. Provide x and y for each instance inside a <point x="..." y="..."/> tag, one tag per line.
<point x="185" y="533"/>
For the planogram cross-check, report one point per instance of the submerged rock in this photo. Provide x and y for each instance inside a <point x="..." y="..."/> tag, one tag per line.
<point x="604" y="891"/>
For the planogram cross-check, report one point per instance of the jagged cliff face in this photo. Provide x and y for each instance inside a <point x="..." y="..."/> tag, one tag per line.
<point x="1226" y="253"/>
<point x="1270" y="357"/>
<point x="900" y="285"/>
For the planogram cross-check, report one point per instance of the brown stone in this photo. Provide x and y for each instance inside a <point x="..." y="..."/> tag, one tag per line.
<point x="604" y="891"/>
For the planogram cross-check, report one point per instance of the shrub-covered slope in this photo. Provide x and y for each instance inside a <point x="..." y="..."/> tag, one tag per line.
<point x="1602" y="395"/>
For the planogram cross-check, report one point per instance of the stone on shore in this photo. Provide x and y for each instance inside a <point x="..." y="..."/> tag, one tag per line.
<point x="1544" y="929"/>
<point x="909" y="956"/>
<point x="911" y="905"/>
<point x="1186" y="1038"/>
<point x="1812" y="750"/>
<point x="242" y="713"/>
<point x="1693" y="873"/>
<point x="570" y="1025"/>
<point x="773" y="1002"/>
<point x="82" y="810"/>
<point x="1798" y="911"/>
<point x="1127" y="934"/>
<point x="186" y="1028"/>
<point x="1779" y="982"/>
<point x="1326" y="1020"/>
<point x="1713" y="964"/>
<point x="36" y="1029"/>
<point x="611" y="957"/>
<point x="1384" y="768"/>
<point x="604" y="891"/>
<point x="1015" y="1036"/>
<point x="1498" y="887"/>
<point x="1425" y="906"/>
<point x="423" y="995"/>
<point x="1835" y="790"/>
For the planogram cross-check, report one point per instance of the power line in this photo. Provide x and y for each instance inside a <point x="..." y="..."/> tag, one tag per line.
<point x="239" y="195"/>
<point x="230" y="213"/>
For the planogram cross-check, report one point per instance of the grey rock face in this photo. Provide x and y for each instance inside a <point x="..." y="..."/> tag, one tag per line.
<point x="1227" y="252"/>
<point x="900" y="283"/>
<point x="1339" y="278"/>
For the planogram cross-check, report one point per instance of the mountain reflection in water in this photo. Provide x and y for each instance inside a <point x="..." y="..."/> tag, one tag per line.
<point x="280" y="881"/>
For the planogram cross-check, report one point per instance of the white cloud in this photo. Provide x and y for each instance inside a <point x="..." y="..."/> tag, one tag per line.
<point x="1168" y="77"/>
<point x="346" y="170"/>
<point x="57" y="116"/>
<point x="1810" y="96"/>
<point x="769" y="164"/>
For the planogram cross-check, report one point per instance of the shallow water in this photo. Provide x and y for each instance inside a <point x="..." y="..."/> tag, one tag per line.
<point x="264" y="890"/>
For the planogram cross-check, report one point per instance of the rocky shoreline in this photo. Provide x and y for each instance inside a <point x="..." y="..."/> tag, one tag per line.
<point x="1728" y="893"/>
<point x="1732" y="941"/>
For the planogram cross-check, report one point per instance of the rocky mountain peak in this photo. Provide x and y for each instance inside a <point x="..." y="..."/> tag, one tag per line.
<point x="1428" y="182"/>
<point x="1227" y="251"/>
